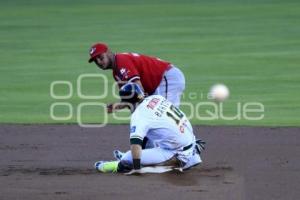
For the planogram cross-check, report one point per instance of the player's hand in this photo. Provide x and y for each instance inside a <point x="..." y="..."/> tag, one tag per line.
<point x="109" y="107"/>
<point x="135" y="172"/>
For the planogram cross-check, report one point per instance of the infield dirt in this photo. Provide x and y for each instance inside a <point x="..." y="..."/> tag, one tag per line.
<point x="56" y="162"/>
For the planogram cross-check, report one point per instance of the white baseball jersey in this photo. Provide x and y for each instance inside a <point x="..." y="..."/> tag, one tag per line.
<point x="162" y="122"/>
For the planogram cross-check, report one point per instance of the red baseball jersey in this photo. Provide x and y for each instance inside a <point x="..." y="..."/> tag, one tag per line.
<point x="133" y="66"/>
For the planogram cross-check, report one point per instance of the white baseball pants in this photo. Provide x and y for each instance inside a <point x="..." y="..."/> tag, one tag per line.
<point x="158" y="155"/>
<point x="172" y="85"/>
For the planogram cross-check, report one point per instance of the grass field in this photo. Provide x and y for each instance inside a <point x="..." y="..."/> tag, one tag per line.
<point x="251" y="46"/>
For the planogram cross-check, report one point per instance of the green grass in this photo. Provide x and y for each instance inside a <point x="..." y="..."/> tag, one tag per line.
<point x="251" y="46"/>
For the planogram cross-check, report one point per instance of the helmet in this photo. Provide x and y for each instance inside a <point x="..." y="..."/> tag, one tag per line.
<point x="131" y="93"/>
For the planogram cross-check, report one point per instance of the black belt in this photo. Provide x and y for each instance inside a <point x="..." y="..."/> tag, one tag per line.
<point x="187" y="147"/>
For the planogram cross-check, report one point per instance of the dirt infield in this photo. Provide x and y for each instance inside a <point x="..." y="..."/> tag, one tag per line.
<point x="56" y="162"/>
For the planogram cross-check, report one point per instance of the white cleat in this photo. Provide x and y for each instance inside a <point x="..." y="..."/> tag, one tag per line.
<point x="194" y="161"/>
<point x="118" y="154"/>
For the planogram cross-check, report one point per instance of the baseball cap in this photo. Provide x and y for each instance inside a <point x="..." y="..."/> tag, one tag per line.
<point x="96" y="50"/>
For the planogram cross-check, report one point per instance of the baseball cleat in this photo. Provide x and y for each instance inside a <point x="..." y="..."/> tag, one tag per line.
<point x="118" y="154"/>
<point x="107" y="166"/>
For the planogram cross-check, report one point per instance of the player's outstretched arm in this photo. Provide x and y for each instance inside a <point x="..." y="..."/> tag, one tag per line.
<point x="112" y="107"/>
<point x="136" y="151"/>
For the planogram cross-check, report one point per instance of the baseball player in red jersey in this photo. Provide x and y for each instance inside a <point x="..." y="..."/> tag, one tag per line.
<point x="154" y="75"/>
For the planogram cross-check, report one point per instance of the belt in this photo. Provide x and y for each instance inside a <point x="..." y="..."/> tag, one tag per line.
<point x="187" y="147"/>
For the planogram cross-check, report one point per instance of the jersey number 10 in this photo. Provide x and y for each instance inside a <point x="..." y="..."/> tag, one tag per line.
<point x="175" y="114"/>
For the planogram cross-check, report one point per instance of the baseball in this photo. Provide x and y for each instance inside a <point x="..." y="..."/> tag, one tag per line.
<point x="219" y="92"/>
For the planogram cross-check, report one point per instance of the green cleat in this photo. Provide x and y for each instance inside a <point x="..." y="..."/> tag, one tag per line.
<point x="107" y="166"/>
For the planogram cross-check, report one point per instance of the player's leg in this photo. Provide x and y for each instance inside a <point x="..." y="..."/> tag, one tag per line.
<point x="189" y="158"/>
<point x="147" y="144"/>
<point x="154" y="156"/>
<point x="172" y="86"/>
<point x="176" y="85"/>
<point x="162" y="88"/>
<point x="192" y="161"/>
